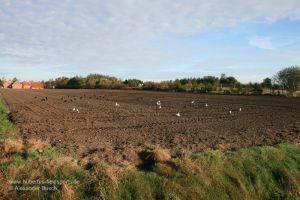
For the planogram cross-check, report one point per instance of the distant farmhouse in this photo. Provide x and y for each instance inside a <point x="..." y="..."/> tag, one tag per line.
<point x="17" y="85"/>
<point x="7" y="84"/>
<point x="26" y="85"/>
<point x="37" y="85"/>
<point x="23" y="85"/>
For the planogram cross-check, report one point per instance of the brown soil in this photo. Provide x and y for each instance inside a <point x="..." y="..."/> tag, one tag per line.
<point x="117" y="134"/>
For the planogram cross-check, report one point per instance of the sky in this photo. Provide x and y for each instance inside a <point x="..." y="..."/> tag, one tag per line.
<point x="150" y="40"/>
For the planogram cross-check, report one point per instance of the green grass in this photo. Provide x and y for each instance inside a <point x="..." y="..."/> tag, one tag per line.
<point x="250" y="173"/>
<point x="7" y="129"/>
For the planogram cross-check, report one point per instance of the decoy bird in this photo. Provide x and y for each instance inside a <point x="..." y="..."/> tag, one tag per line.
<point x="158" y="103"/>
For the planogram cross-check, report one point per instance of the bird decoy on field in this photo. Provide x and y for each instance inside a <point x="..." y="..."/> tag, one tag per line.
<point x="193" y="102"/>
<point x="178" y="114"/>
<point x="158" y="103"/>
<point x="77" y="110"/>
<point x="159" y="107"/>
<point x="231" y="113"/>
<point x="240" y="109"/>
<point x="74" y="109"/>
<point x="117" y="105"/>
<point x="206" y="105"/>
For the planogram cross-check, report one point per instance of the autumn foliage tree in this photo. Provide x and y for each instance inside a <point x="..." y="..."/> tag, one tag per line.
<point x="289" y="78"/>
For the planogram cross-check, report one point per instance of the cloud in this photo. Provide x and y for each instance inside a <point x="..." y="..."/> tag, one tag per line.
<point x="262" y="42"/>
<point x="272" y="43"/>
<point x="100" y="34"/>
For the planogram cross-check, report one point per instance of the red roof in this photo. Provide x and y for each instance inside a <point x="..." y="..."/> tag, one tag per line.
<point x="17" y="84"/>
<point x="26" y="83"/>
<point x="37" y="85"/>
<point x="7" y="83"/>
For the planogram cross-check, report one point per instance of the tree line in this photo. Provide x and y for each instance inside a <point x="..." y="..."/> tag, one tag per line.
<point x="287" y="79"/>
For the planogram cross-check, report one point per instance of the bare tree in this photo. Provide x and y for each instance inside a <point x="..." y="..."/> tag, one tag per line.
<point x="288" y="78"/>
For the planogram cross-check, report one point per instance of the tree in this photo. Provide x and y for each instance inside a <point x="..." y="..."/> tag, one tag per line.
<point x="267" y="83"/>
<point x="166" y="85"/>
<point x="75" y="83"/>
<point x="288" y="78"/>
<point x="50" y="84"/>
<point x="91" y="83"/>
<point x="177" y="86"/>
<point x="133" y="82"/>
<point x="61" y="82"/>
<point x="239" y="87"/>
<point x="150" y="85"/>
<point x="227" y="81"/>
<point x="257" y="89"/>
<point x="184" y="81"/>
<point x="209" y="80"/>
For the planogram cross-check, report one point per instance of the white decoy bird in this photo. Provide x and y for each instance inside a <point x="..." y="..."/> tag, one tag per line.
<point x="240" y="109"/>
<point x="206" y="105"/>
<point x="158" y="103"/>
<point x="193" y="102"/>
<point x="117" y="104"/>
<point x="77" y="110"/>
<point x="74" y="109"/>
<point x="178" y="114"/>
<point x="231" y="113"/>
<point x="159" y="107"/>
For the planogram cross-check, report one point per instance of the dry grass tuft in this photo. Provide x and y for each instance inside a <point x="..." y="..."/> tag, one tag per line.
<point x="37" y="144"/>
<point x="5" y="192"/>
<point x="37" y="174"/>
<point x="188" y="164"/>
<point x="63" y="160"/>
<point x="89" y="161"/>
<point x="40" y="166"/>
<point x="114" y="174"/>
<point x="11" y="146"/>
<point x="13" y="171"/>
<point x="297" y="144"/>
<point x="159" y="155"/>
<point x="67" y="192"/>
<point x="224" y="147"/>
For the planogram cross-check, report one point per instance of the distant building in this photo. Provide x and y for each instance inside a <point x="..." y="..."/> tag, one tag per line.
<point x="23" y="85"/>
<point x="26" y="85"/>
<point x="17" y="85"/>
<point x="37" y="85"/>
<point x="7" y="84"/>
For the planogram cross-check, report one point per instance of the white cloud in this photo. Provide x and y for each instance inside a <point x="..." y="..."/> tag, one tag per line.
<point x="262" y="42"/>
<point x="103" y="33"/>
<point x="272" y="43"/>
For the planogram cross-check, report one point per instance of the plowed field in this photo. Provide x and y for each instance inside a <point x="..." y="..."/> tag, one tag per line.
<point x="88" y="124"/>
